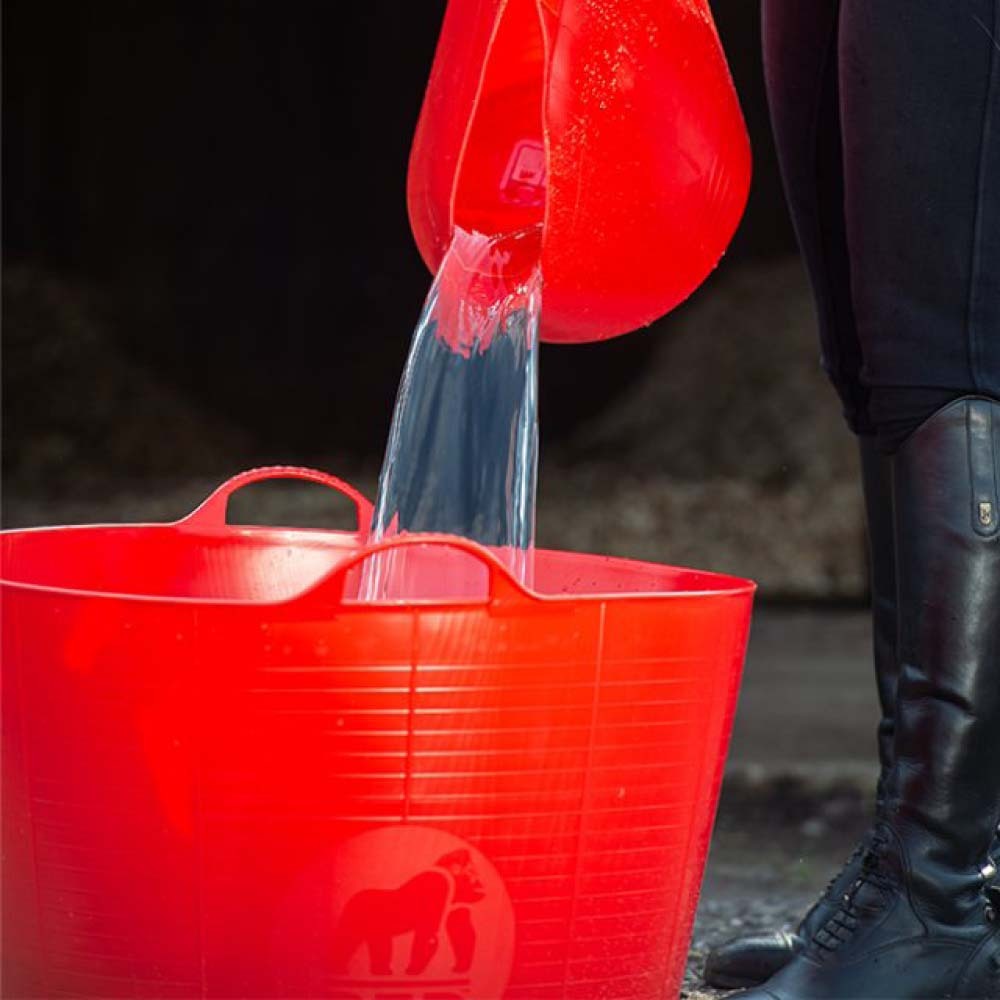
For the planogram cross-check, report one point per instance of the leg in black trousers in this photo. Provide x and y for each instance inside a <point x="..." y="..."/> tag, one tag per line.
<point x="887" y="121"/>
<point x="887" y="118"/>
<point x="920" y="108"/>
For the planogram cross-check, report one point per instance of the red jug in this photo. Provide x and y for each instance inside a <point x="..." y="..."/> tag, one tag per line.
<point x="611" y="125"/>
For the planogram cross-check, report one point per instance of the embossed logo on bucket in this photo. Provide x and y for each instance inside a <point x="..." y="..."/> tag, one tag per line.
<point x="435" y="903"/>
<point x="415" y="914"/>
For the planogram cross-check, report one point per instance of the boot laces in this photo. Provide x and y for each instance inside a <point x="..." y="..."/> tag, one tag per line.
<point x="844" y="922"/>
<point x="859" y="848"/>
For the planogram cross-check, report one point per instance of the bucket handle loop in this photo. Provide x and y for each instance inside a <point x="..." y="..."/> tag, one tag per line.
<point x="211" y="512"/>
<point x="503" y="588"/>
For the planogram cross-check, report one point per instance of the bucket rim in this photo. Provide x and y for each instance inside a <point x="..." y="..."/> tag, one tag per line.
<point x="729" y="586"/>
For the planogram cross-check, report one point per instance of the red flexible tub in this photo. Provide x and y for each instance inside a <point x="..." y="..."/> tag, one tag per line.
<point x="222" y="776"/>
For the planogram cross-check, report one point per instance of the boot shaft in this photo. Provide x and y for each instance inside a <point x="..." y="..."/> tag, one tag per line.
<point x="876" y="481"/>
<point x="944" y="787"/>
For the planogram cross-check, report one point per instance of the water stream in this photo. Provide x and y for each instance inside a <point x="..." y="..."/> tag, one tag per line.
<point x="462" y="454"/>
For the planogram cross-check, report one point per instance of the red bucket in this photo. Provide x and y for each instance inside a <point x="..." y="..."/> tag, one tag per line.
<point x="223" y="776"/>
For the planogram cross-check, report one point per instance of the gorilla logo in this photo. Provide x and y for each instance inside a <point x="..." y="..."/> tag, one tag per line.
<point x="435" y="901"/>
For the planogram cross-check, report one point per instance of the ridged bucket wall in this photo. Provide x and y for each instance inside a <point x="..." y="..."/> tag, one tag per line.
<point x="223" y="776"/>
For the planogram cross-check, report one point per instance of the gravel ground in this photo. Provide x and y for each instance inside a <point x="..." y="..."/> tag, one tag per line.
<point x="801" y="770"/>
<point x="764" y="875"/>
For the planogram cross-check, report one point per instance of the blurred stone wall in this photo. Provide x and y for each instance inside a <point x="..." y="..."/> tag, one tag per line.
<point x="209" y="266"/>
<point x="727" y="453"/>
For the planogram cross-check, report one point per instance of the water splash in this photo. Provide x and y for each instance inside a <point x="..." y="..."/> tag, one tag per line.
<point x="462" y="454"/>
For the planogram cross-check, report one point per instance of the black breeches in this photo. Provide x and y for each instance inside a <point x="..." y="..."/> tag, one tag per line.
<point x="886" y="115"/>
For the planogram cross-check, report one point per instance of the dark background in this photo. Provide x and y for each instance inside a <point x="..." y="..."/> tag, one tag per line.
<point x="208" y="266"/>
<point x="227" y="180"/>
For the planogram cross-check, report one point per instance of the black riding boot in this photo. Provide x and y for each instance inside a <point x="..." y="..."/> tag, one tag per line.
<point x="921" y="919"/>
<point x="751" y="958"/>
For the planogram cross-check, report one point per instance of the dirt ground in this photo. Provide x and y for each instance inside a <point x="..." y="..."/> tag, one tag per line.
<point x="765" y="871"/>
<point x="801" y="770"/>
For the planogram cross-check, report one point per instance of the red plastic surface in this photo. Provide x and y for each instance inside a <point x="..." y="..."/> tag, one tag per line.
<point x="615" y="124"/>
<point x="223" y="777"/>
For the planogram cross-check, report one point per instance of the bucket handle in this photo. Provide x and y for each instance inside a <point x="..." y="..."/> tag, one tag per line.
<point x="503" y="589"/>
<point x="211" y="512"/>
